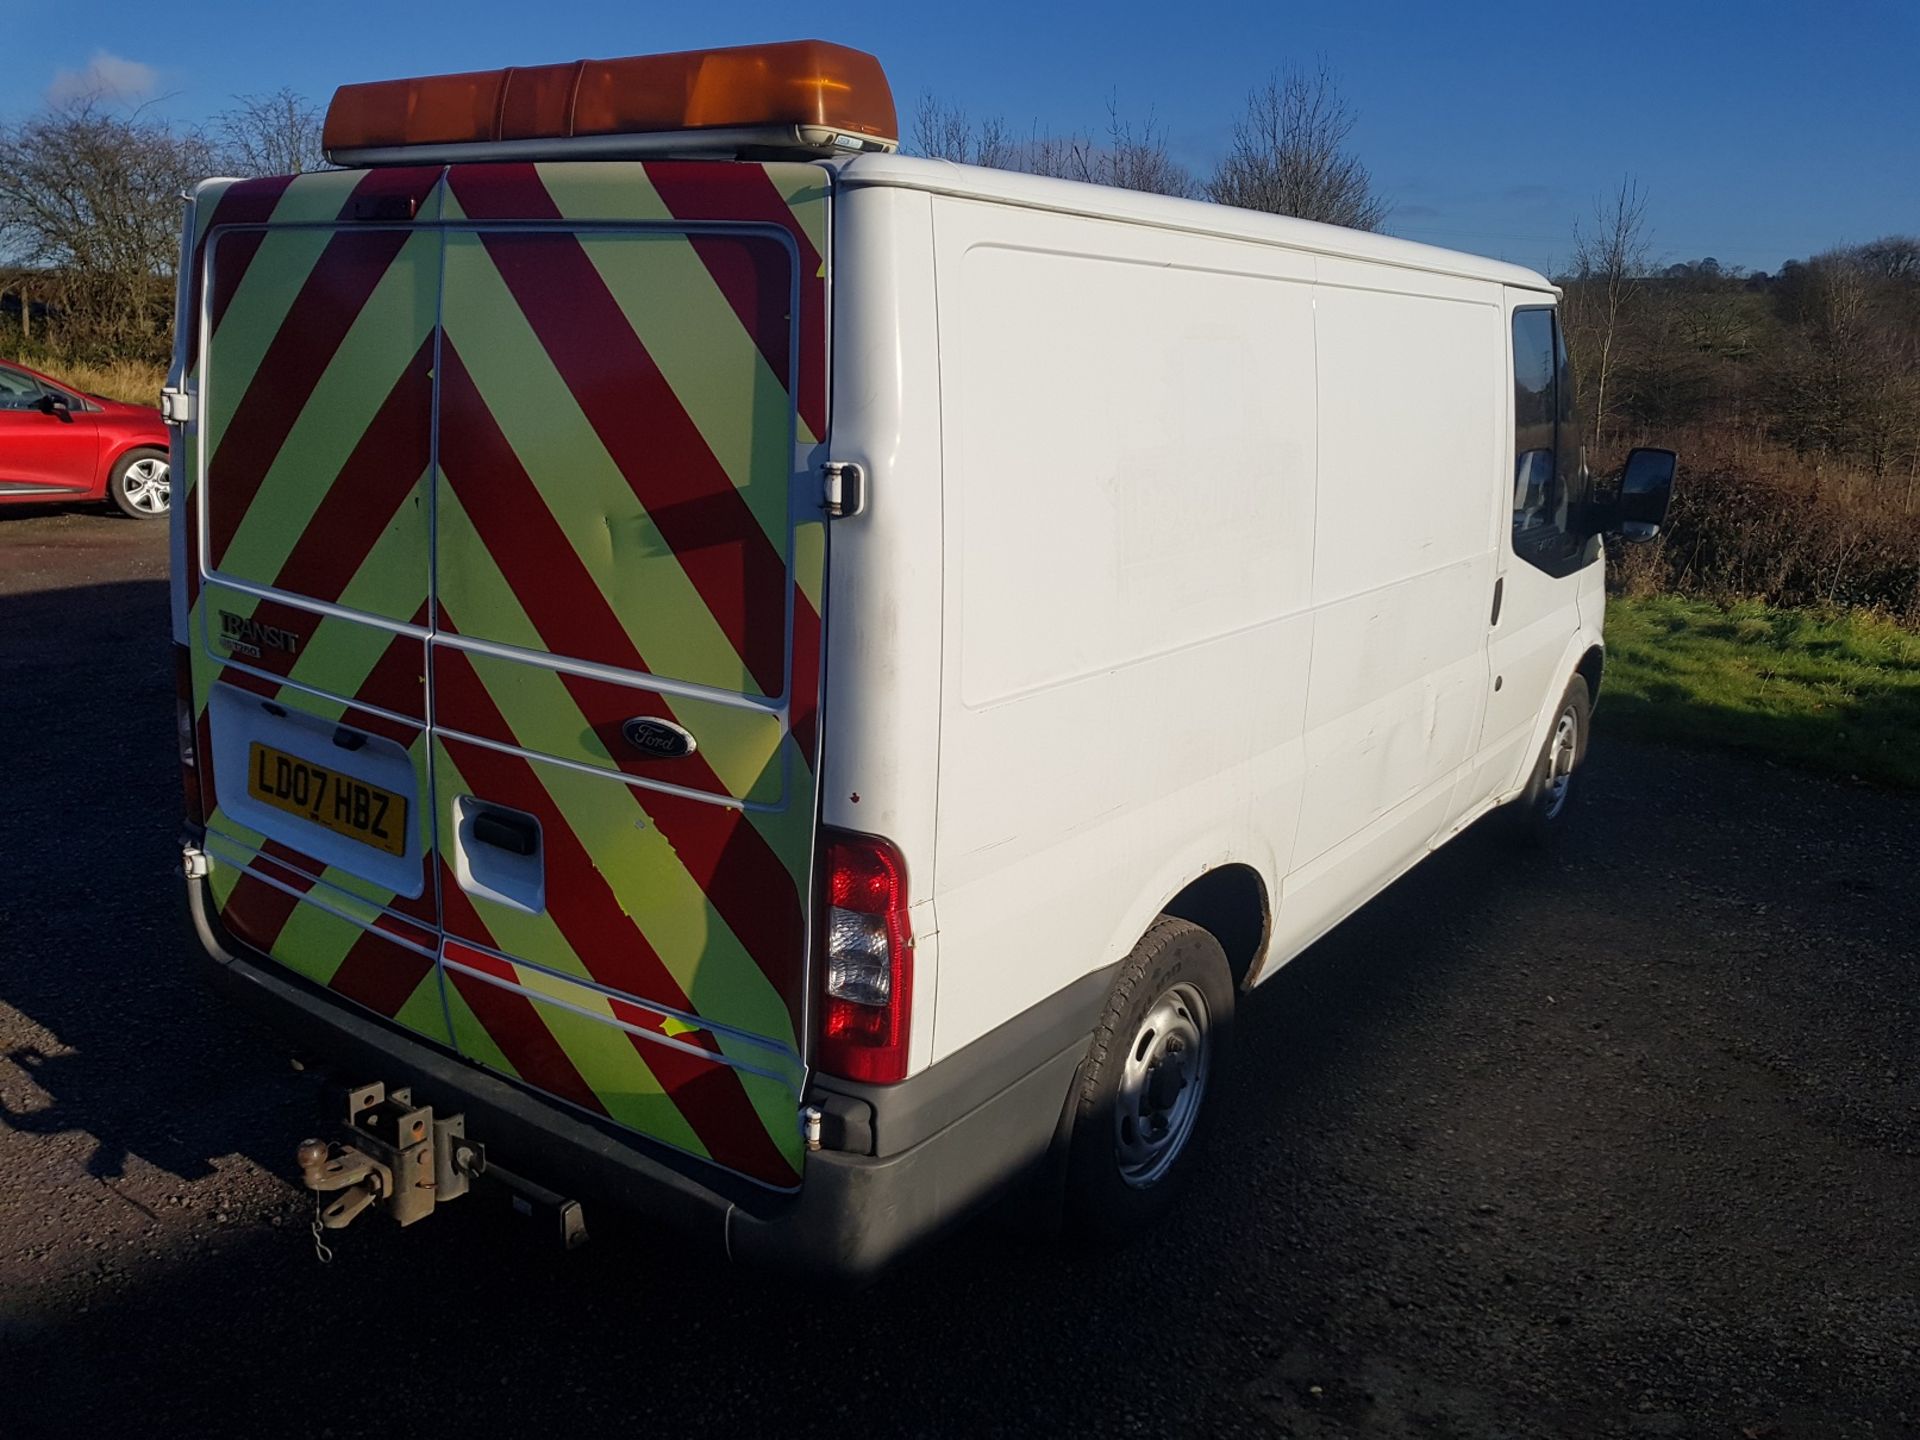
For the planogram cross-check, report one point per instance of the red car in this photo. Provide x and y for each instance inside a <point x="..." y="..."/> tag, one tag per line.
<point x="58" y="444"/>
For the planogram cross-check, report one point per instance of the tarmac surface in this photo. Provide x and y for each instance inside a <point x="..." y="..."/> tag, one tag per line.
<point x="1621" y="1141"/>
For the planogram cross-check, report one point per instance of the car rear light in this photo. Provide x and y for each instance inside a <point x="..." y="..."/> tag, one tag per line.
<point x="866" y="960"/>
<point x="187" y="733"/>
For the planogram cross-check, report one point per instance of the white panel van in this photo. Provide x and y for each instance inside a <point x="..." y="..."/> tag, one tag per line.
<point x="1152" y="583"/>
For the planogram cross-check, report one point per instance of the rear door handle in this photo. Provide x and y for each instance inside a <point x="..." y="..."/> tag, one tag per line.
<point x="507" y="830"/>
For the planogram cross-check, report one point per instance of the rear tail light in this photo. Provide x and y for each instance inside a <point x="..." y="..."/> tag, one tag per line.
<point x="866" y="960"/>
<point x="187" y="732"/>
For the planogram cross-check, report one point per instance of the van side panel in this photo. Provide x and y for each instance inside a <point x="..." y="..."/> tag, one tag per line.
<point x="1129" y="438"/>
<point x="1404" y="569"/>
<point x="1403" y="556"/>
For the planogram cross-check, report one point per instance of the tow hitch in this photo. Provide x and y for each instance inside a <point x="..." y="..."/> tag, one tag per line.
<point x="398" y="1155"/>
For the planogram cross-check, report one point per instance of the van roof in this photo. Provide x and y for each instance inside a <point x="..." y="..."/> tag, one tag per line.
<point x="1039" y="192"/>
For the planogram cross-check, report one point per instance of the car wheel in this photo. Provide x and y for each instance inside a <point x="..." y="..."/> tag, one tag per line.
<point x="1143" y="1089"/>
<point x="140" y="486"/>
<point x="1539" y="815"/>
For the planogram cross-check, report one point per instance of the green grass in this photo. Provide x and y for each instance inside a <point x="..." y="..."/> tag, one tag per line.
<point x="1838" y="693"/>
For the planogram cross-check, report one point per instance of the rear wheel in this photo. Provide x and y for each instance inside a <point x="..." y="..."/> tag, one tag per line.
<point x="1140" y="1109"/>
<point x="140" y="485"/>
<point x="1539" y="814"/>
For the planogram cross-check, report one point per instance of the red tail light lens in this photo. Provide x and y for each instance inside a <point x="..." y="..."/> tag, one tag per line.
<point x="187" y="730"/>
<point x="865" y="945"/>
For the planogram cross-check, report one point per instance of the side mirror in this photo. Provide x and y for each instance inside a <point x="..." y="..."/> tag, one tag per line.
<point x="1636" y="508"/>
<point x="54" y="405"/>
<point x="1646" y="486"/>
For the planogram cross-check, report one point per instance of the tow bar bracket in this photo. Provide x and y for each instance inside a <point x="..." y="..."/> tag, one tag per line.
<point x="395" y="1154"/>
<point x="405" y="1159"/>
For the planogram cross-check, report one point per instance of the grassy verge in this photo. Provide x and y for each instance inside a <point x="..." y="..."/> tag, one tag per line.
<point x="133" y="380"/>
<point x="137" y="381"/>
<point x="1838" y="693"/>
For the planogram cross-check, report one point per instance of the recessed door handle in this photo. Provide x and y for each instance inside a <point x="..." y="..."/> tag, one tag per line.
<point x="505" y="830"/>
<point x="1499" y="593"/>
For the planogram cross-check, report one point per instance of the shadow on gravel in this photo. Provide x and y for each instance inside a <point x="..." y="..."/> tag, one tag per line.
<point x="991" y="1331"/>
<point x="1618" y="1140"/>
<point x="124" y="1047"/>
<point x="20" y="514"/>
<point x="1481" y="1168"/>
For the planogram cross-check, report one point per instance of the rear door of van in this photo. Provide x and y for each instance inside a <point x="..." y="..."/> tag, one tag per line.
<point x="508" y="618"/>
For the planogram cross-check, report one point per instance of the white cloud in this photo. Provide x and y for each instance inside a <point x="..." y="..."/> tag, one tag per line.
<point x="106" y="77"/>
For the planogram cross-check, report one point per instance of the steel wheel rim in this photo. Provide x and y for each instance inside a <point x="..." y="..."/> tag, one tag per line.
<point x="146" y="486"/>
<point x="1566" y="744"/>
<point x="1162" y="1080"/>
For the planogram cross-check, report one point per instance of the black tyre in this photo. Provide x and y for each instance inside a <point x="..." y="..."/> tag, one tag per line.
<point x="1141" y="1107"/>
<point x="139" y="485"/>
<point x="1539" y="815"/>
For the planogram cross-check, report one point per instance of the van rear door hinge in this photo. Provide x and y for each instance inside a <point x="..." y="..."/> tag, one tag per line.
<point x="843" y="489"/>
<point x="176" y="406"/>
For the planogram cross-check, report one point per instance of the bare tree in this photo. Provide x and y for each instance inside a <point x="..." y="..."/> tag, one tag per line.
<point x="1850" y="385"/>
<point x="273" y="134"/>
<point x="1140" y="161"/>
<point x="1289" y="155"/>
<point x="1894" y="257"/>
<point x="1129" y="159"/>
<point x="91" y="200"/>
<point x="942" y="131"/>
<point x="1609" y="263"/>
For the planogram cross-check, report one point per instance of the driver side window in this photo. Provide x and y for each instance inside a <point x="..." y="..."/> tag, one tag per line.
<point x="1549" y="476"/>
<point x="18" y="391"/>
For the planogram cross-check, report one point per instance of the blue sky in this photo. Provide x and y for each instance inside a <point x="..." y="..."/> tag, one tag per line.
<point x="1761" y="131"/>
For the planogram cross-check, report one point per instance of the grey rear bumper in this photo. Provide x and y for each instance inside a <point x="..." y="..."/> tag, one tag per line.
<point x="949" y="1139"/>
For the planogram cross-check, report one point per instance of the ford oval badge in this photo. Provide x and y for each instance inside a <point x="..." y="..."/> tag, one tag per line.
<point x="658" y="739"/>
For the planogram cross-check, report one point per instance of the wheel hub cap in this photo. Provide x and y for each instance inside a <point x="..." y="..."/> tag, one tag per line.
<point x="145" y="486"/>
<point x="1161" y="1084"/>
<point x="1566" y="745"/>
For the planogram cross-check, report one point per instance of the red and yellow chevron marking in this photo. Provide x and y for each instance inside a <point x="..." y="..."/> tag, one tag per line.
<point x="313" y="930"/>
<point x="579" y="718"/>
<point x="371" y="668"/>
<point x="622" y="408"/>
<point x="316" y="413"/>
<point x="539" y="348"/>
<point x="319" y="361"/>
<point x="627" y="1062"/>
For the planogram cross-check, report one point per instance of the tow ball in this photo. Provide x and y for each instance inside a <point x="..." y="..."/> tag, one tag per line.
<point x="396" y="1155"/>
<point x="401" y="1157"/>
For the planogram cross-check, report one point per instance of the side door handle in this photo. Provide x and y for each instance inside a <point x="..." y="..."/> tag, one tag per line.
<point x="1499" y="594"/>
<point x="507" y="830"/>
<point x="497" y="854"/>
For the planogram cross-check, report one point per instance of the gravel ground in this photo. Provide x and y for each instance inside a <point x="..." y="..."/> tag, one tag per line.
<point x="1621" y="1142"/>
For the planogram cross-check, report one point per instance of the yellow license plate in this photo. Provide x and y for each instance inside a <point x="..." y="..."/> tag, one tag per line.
<point x="341" y="803"/>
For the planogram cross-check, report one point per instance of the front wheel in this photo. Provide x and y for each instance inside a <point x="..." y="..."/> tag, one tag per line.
<point x="1539" y="814"/>
<point x="140" y="485"/>
<point x="1140" y="1110"/>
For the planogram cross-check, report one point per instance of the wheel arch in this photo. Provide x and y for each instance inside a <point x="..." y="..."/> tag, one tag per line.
<point x="1592" y="666"/>
<point x="1582" y="651"/>
<point x="114" y="449"/>
<point x="1231" y="903"/>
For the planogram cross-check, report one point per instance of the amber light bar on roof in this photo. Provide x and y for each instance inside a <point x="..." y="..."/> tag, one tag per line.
<point x="800" y="94"/>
